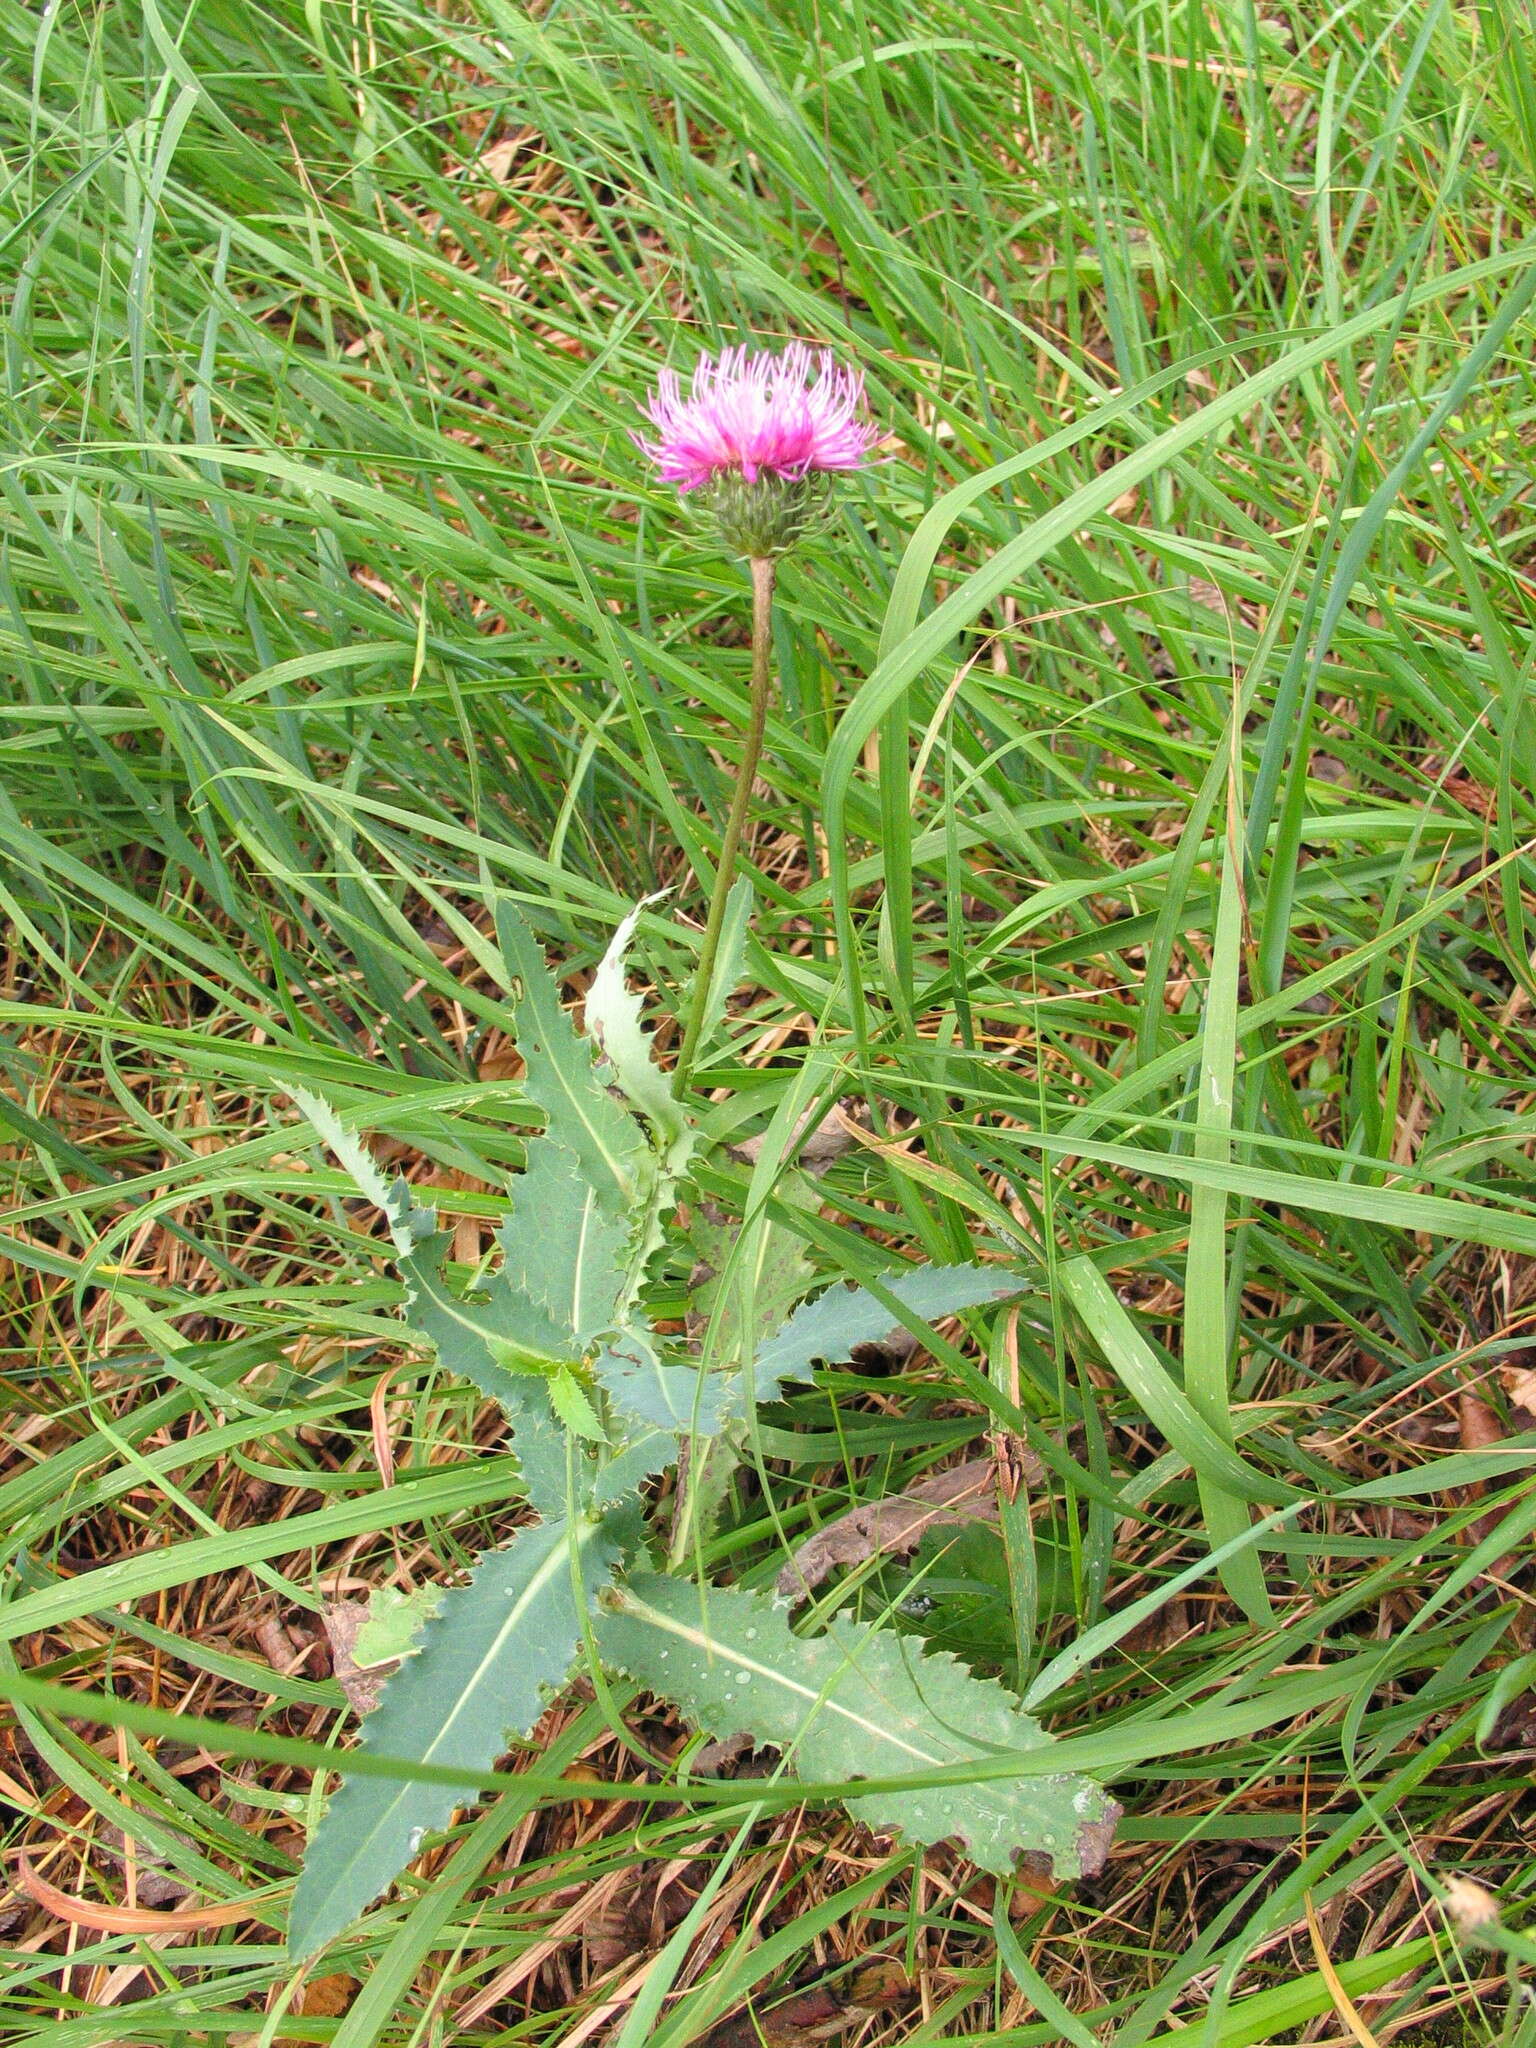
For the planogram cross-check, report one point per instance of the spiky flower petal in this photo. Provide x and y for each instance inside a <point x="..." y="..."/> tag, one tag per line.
<point x="757" y="433"/>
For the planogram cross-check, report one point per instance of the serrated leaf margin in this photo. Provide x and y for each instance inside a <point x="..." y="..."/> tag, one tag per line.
<point x="374" y="1826"/>
<point x="826" y="1328"/>
<point x="729" y="1660"/>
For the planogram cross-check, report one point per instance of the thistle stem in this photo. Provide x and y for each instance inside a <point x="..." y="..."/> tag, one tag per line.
<point x="735" y="824"/>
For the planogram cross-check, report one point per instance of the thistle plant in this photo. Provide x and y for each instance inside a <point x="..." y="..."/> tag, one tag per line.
<point x="600" y="1404"/>
<point x="758" y="439"/>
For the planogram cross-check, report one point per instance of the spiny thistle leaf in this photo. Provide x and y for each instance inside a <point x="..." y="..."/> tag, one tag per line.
<point x="496" y="1649"/>
<point x="737" y="1305"/>
<point x="347" y="1145"/>
<point x="827" y="1329"/>
<point x="561" y="1250"/>
<point x="610" y="1148"/>
<point x="472" y="1336"/>
<point x="644" y="1389"/>
<point x="613" y="1021"/>
<point x="570" y="1401"/>
<point x="858" y="1702"/>
<point x="409" y="1221"/>
<point x="622" y="1477"/>
<point x="492" y="1321"/>
<point x="394" y="1625"/>
<point x="741" y="1307"/>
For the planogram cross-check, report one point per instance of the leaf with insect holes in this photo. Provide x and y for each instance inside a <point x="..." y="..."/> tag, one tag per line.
<point x="826" y="1330"/>
<point x="859" y="1702"/>
<point x="613" y="1155"/>
<point x="488" y="1661"/>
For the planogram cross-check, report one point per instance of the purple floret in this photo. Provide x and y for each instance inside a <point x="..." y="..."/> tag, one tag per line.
<point x="752" y="413"/>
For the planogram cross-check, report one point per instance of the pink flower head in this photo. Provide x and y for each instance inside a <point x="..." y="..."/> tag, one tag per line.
<point x="752" y="413"/>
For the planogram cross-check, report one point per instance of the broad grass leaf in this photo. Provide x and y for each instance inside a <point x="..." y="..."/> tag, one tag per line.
<point x="488" y="1661"/>
<point x="827" y="1329"/>
<point x="858" y="1703"/>
<point x="729" y="959"/>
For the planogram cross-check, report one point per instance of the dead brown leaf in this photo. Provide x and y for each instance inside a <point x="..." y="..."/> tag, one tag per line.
<point x="819" y="2013"/>
<point x="895" y="1526"/>
<point x="1478" y="1424"/>
<point x="327" y="1997"/>
<point x="343" y="1621"/>
<point x="812" y="1146"/>
<point x="153" y="1885"/>
<point x="812" y="2016"/>
<point x="1480" y="1428"/>
<point x="640" y="1913"/>
<point x="716" y="1758"/>
<point x="105" y="1919"/>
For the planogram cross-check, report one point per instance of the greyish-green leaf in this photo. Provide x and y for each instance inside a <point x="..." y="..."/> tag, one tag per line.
<point x="408" y="1221"/>
<point x="735" y="1307"/>
<point x="825" y="1331"/>
<point x="571" y="1402"/>
<point x="560" y="1249"/>
<point x="858" y="1702"/>
<point x="644" y="1388"/>
<point x="346" y="1144"/>
<point x="493" y="1311"/>
<point x="472" y="1334"/>
<point x="611" y="1150"/>
<point x="613" y="1020"/>
<point x="394" y="1625"/>
<point x="622" y="1475"/>
<point x="488" y="1661"/>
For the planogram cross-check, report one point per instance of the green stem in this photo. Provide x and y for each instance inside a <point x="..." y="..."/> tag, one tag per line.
<point x="735" y="824"/>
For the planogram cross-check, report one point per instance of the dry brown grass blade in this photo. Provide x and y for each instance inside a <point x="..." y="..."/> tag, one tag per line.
<point x="1345" y="2006"/>
<point x="104" y="1919"/>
